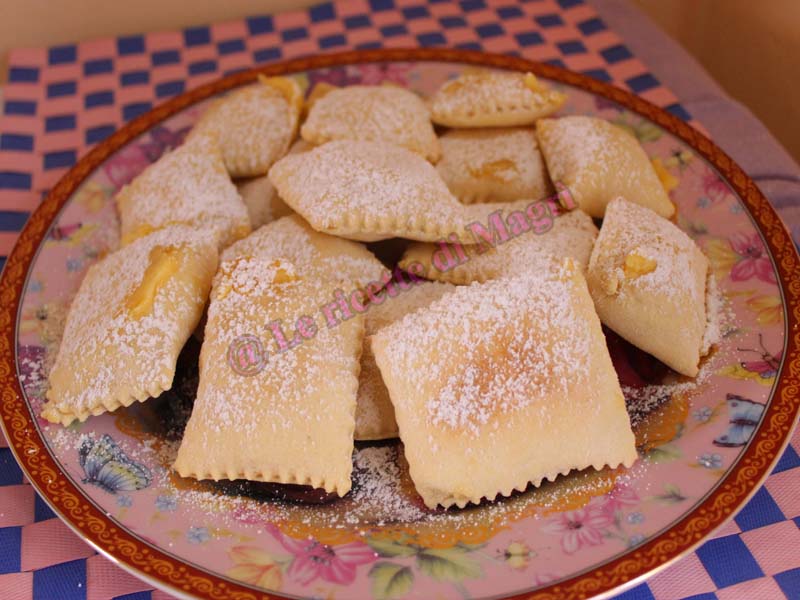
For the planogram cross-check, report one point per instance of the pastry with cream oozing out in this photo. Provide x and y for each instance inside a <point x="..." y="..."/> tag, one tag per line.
<point x="500" y="384"/>
<point x="486" y="98"/>
<point x="599" y="161"/>
<point x="128" y="322"/>
<point x="254" y="125"/>
<point x="493" y="165"/>
<point x="648" y="281"/>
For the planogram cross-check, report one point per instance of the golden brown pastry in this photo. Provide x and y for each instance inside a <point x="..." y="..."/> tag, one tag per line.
<point x="512" y="384"/>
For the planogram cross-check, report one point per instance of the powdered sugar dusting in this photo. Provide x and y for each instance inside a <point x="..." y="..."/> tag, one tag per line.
<point x="188" y="185"/>
<point x="578" y="147"/>
<point x="254" y="126"/>
<point x="378" y="491"/>
<point x="493" y="165"/>
<point x="717" y="314"/>
<point x="372" y="182"/>
<point x="119" y="355"/>
<point x="374" y="113"/>
<point x="598" y="161"/>
<point x="489" y="92"/>
<point x="244" y="299"/>
<point x="290" y="238"/>
<point x="286" y="239"/>
<point x="521" y="340"/>
<point x="630" y="229"/>
<point x="421" y="295"/>
<point x="374" y="412"/>
<point x="571" y="236"/>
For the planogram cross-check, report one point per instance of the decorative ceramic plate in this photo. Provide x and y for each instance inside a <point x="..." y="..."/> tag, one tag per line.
<point x="704" y="445"/>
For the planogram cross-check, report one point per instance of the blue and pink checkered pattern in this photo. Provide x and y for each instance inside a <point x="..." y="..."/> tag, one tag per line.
<point x="60" y="101"/>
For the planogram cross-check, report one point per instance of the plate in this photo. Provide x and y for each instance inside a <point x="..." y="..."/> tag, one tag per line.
<point x="705" y="446"/>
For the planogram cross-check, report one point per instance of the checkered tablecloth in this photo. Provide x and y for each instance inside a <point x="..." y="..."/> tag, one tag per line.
<point x="60" y="101"/>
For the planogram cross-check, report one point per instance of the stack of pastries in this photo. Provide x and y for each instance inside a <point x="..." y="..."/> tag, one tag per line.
<point x="481" y="348"/>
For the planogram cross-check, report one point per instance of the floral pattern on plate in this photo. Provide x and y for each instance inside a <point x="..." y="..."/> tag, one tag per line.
<point x="380" y="541"/>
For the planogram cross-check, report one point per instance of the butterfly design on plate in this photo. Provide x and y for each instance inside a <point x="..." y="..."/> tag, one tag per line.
<point x="768" y="365"/>
<point x="680" y="158"/>
<point x="643" y="130"/>
<point x="73" y="234"/>
<point x="109" y="468"/>
<point x="63" y="232"/>
<point x="744" y="415"/>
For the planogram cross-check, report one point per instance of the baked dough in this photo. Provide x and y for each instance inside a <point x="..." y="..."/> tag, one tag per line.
<point x="540" y="248"/>
<point x="494" y="99"/>
<point x="262" y="201"/>
<point x="188" y="186"/>
<point x="282" y="273"/>
<point x="368" y="191"/>
<point x="493" y="165"/>
<point x="127" y="324"/>
<point x="269" y="410"/>
<point x="598" y="161"/>
<point x="320" y="89"/>
<point x="254" y="125"/>
<point x="374" y="412"/>
<point x="648" y="282"/>
<point x="502" y="384"/>
<point x="384" y="113"/>
<point x="290" y="238"/>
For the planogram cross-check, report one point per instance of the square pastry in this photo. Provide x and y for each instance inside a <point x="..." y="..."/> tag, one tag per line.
<point x="273" y="410"/>
<point x="374" y="413"/>
<point x="278" y="380"/>
<point x="502" y="384"/>
<point x="127" y="324"/>
<point x="648" y="282"/>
